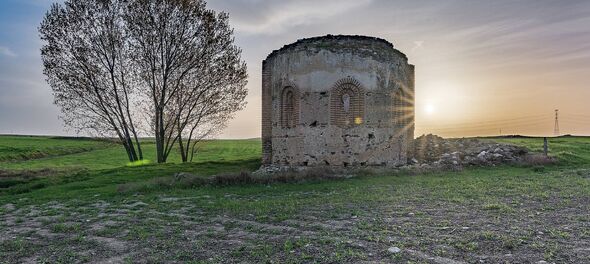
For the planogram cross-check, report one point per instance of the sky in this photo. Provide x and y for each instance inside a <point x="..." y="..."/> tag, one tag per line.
<point x="482" y="67"/>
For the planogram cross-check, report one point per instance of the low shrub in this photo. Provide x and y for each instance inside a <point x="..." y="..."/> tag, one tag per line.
<point x="233" y="179"/>
<point x="23" y="181"/>
<point x="129" y="187"/>
<point x="28" y="174"/>
<point x="192" y="181"/>
<point x="24" y="188"/>
<point x="150" y="185"/>
<point x="186" y="180"/>
<point x="536" y="160"/>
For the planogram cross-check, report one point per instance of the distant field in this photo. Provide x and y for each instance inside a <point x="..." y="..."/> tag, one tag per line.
<point x="63" y="153"/>
<point x="17" y="148"/>
<point x="571" y="151"/>
<point x="78" y="202"/>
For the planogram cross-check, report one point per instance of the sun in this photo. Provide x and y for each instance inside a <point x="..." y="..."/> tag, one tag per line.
<point x="429" y="109"/>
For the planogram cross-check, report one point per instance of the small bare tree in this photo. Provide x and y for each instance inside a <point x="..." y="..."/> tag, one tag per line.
<point x="187" y="59"/>
<point x="212" y="105"/>
<point x="212" y="93"/>
<point x="87" y="62"/>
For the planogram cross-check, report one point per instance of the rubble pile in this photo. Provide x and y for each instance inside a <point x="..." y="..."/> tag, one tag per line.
<point x="432" y="150"/>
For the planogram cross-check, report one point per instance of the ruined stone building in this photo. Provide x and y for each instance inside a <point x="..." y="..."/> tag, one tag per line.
<point x="339" y="101"/>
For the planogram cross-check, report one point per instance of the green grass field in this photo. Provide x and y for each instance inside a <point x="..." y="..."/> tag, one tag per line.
<point x="62" y="200"/>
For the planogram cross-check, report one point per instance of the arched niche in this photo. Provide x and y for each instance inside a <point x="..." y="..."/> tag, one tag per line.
<point x="289" y="107"/>
<point x="347" y="103"/>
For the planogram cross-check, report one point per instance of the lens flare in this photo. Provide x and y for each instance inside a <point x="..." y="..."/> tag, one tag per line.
<point x="429" y="109"/>
<point x="358" y="120"/>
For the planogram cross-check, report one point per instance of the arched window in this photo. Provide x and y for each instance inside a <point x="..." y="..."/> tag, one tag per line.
<point x="289" y="108"/>
<point x="347" y="104"/>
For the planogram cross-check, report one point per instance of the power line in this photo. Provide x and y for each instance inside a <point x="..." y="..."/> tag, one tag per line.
<point x="475" y="126"/>
<point x="510" y="124"/>
<point x="575" y="115"/>
<point x="505" y="122"/>
<point x="573" y="121"/>
<point x="510" y="119"/>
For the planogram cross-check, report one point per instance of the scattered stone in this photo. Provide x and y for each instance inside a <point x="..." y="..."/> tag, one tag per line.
<point x="482" y="155"/>
<point x="394" y="250"/>
<point x="432" y="259"/>
<point x="9" y="207"/>
<point x="136" y="204"/>
<point x="169" y="199"/>
<point x="274" y="168"/>
<point x="182" y="175"/>
<point x="114" y="244"/>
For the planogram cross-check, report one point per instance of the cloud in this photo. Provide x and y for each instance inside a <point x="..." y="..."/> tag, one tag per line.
<point x="418" y="44"/>
<point x="273" y="18"/>
<point x="5" y="51"/>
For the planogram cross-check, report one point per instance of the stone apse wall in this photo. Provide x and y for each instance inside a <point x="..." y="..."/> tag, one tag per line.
<point x="338" y="101"/>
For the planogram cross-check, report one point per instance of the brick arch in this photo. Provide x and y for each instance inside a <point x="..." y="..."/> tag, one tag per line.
<point x="347" y="103"/>
<point x="289" y="107"/>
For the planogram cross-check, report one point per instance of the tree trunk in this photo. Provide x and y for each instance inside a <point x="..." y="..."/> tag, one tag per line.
<point x="183" y="154"/>
<point x="159" y="138"/>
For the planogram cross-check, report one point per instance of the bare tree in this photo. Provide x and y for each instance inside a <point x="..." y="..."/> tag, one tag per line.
<point x="187" y="59"/>
<point x="212" y="93"/>
<point x="173" y="57"/>
<point x="87" y="62"/>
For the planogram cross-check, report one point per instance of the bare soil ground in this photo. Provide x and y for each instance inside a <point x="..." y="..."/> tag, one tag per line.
<point x="553" y="227"/>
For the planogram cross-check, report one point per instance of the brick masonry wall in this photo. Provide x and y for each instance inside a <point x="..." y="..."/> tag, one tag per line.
<point x="266" y="114"/>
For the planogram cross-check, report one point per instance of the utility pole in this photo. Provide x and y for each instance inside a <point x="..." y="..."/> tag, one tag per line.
<point x="556" y="127"/>
<point x="545" y="146"/>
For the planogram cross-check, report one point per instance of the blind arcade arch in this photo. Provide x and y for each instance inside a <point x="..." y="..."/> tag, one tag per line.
<point x="289" y="107"/>
<point x="347" y="103"/>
